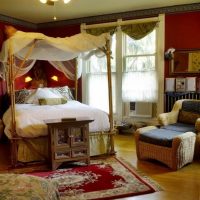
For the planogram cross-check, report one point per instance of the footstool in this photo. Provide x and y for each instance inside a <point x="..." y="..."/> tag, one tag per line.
<point x="173" y="148"/>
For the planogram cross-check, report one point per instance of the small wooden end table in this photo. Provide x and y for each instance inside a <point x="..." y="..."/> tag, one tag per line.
<point x="68" y="141"/>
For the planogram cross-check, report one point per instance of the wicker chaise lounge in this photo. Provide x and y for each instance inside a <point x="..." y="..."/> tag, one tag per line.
<point x="173" y="144"/>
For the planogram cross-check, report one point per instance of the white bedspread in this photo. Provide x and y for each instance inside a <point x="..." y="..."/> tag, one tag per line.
<point x="30" y="117"/>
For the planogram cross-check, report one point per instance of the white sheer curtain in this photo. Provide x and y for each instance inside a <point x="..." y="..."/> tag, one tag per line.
<point x="19" y="71"/>
<point x="97" y="91"/>
<point x="68" y="68"/>
<point x="139" y="79"/>
<point x="139" y="86"/>
<point x="96" y="80"/>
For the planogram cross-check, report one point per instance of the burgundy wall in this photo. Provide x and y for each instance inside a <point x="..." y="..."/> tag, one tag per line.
<point x="182" y="31"/>
<point x="50" y="71"/>
<point x="65" y="31"/>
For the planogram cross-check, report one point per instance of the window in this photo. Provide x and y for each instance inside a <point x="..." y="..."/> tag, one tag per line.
<point x="134" y="72"/>
<point x="139" y="81"/>
<point x="97" y="81"/>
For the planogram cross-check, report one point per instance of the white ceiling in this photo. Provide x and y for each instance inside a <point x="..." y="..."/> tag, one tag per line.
<point x="35" y="12"/>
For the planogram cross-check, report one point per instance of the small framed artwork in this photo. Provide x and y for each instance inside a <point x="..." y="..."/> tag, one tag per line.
<point x="169" y="84"/>
<point x="191" y="84"/>
<point x="180" y="84"/>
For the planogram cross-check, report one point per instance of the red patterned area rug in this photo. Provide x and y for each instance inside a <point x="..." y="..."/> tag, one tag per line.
<point x="109" y="178"/>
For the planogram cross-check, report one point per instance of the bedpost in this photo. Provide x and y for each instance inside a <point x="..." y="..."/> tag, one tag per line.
<point x="76" y="79"/>
<point x="11" y="85"/>
<point x="11" y="90"/>
<point x="12" y="101"/>
<point x="108" y="57"/>
<point x="108" y="52"/>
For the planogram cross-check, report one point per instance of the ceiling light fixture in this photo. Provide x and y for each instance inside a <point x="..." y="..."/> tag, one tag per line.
<point x="51" y="2"/>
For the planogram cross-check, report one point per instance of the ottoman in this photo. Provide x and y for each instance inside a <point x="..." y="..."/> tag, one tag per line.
<point x="173" y="148"/>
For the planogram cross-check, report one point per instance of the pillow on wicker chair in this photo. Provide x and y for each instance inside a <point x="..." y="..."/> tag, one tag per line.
<point x="187" y="117"/>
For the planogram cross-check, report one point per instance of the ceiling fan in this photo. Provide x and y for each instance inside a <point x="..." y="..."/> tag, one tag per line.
<point x="52" y="2"/>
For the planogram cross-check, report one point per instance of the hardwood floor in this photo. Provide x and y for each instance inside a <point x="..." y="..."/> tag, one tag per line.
<point x="183" y="184"/>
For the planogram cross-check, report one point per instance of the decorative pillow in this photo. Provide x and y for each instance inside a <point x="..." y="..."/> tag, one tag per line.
<point x="21" y="95"/>
<point x="23" y="187"/>
<point x="187" y="117"/>
<point x="64" y="91"/>
<point x="191" y="106"/>
<point x="41" y="93"/>
<point x="52" y="101"/>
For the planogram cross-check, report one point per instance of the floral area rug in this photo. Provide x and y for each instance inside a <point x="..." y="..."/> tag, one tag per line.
<point x="108" y="178"/>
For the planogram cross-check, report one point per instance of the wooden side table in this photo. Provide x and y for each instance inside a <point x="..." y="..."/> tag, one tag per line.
<point x="68" y="141"/>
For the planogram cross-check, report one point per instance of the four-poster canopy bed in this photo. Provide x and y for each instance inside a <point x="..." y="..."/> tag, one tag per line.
<point x="18" y="55"/>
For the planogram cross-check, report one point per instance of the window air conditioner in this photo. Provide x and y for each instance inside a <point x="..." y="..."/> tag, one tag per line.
<point x="138" y="109"/>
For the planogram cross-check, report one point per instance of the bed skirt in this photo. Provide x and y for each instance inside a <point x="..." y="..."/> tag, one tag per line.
<point x="100" y="143"/>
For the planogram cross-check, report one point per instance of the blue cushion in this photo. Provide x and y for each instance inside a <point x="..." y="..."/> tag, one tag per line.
<point x="161" y="137"/>
<point x="180" y="127"/>
<point x="191" y="106"/>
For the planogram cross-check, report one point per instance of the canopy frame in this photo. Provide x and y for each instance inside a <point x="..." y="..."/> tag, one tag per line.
<point x="11" y="88"/>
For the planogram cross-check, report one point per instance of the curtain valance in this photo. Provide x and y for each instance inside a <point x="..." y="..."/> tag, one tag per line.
<point x="135" y="31"/>
<point x="99" y="31"/>
<point x="138" y="31"/>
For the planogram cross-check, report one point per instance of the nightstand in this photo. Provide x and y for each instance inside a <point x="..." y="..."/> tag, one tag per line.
<point x="68" y="141"/>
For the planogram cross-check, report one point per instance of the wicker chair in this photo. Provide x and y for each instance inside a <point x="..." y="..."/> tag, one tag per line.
<point x="181" y="151"/>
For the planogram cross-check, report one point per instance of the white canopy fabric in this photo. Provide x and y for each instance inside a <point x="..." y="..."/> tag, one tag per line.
<point x="49" y="48"/>
<point x="41" y="47"/>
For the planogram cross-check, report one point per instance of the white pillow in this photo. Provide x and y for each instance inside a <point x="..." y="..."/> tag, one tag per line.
<point x="42" y="93"/>
<point x="64" y="91"/>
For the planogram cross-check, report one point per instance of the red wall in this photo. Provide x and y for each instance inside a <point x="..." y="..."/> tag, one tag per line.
<point x="64" y="31"/>
<point x="182" y="31"/>
<point x="49" y="71"/>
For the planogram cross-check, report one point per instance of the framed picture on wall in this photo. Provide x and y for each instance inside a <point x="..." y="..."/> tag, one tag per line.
<point x="169" y="84"/>
<point x="191" y="84"/>
<point x="180" y="84"/>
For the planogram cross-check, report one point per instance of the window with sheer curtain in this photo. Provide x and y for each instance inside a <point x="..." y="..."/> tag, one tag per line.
<point x="97" y="81"/>
<point x="134" y="75"/>
<point x="139" y="79"/>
